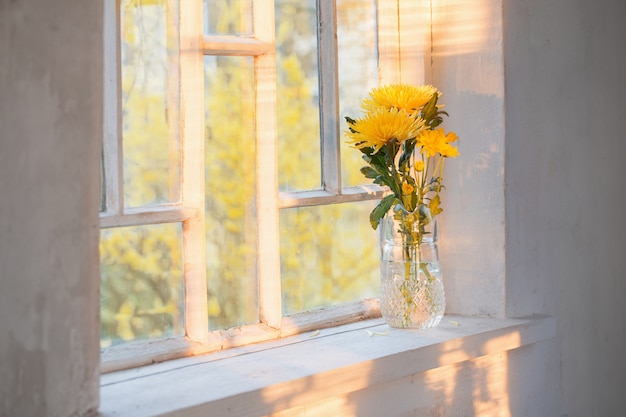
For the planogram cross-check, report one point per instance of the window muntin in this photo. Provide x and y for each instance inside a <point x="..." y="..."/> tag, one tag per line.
<point x="249" y="65"/>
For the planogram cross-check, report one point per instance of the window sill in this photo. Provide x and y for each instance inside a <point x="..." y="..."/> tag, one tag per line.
<point x="267" y="378"/>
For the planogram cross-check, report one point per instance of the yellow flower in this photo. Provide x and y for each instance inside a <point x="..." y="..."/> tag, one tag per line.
<point x="451" y="137"/>
<point x="435" y="205"/>
<point x="381" y="126"/>
<point x="449" y="150"/>
<point x="399" y="96"/>
<point x="434" y="142"/>
<point x="419" y="166"/>
<point x="407" y="188"/>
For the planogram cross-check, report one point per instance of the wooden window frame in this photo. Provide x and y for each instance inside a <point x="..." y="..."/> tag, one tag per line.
<point x="185" y="19"/>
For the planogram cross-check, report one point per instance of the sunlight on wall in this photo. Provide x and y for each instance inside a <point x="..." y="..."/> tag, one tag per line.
<point x="472" y="379"/>
<point x="298" y="397"/>
<point x="461" y="26"/>
<point x="415" y="39"/>
<point x="490" y="395"/>
<point x="481" y="382"/>
<point x="467" y="46"/>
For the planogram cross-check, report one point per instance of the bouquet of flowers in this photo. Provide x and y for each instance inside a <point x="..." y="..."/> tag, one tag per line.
<point x="405" y="149"/>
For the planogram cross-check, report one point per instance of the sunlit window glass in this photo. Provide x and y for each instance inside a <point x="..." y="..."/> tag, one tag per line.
<point x="358" y="73"/>
<point x="149" y="103"/>
<point x="230" y="160"/>
<point x="141" y="283"/>
<point x="297" y="95"/>
<point x="329" y="256"/>
<point x="228" y="17"/>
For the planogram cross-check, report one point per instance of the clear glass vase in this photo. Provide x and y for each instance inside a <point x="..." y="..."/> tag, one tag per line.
<point x="412" y="293"/>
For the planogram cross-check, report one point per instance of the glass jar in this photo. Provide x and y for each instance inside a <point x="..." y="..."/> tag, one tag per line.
<point x="412" y="293"/>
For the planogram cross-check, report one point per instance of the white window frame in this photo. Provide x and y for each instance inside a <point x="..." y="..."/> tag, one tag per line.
<point x="186" y="20"/>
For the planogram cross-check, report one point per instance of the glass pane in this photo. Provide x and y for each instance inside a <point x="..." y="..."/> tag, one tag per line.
<point x="149" y="104"/>
<point x="329" y="255"/>
<point x="141" y="283"/>
<point x="228" y="17"/>
<point x="358" y="73"/>
<point x="230" y="192"/>
<point x="299" y="165"/>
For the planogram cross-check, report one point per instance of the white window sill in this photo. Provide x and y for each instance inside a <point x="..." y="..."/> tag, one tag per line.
<point x="267" y="378"/>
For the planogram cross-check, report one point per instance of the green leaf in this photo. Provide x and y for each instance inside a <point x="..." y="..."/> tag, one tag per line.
<point x="430" y="109"/>
<point x="377" y="163"/>
<point x="390" y="149"/>
<point x="431" y="113"/>
<point x="435" y="184"/>
<point x="379" y="180"/>
<point x="381" y="209"/>
<point x="369" y="172"/>
<point x="405" y="158"/>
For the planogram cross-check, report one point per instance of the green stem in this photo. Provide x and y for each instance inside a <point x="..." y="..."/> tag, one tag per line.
<point x="412" y="256"/>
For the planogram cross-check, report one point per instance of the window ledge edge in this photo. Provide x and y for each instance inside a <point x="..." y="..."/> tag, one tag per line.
<point x="309" y="367"/>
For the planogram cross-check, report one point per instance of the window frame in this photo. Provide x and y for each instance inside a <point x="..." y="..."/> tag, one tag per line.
<point x="186" y="20"/>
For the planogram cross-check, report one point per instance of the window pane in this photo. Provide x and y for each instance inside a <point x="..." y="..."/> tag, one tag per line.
<point x="231" y="192"/>
<point x="329" y="255"/>
<point x="141" y="283"/>
<point x="298" y="95"/>
<point x="149" y="104"/>
<point x="358" y="72"/>
<point x="228" y="17"/>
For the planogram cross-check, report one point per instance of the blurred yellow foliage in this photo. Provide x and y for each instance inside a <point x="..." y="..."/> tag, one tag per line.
<point x="328" y="254"/>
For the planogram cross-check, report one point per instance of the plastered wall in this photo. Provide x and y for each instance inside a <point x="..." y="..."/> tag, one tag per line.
<point x="465" y="62"/>
<point x="50" y="128"/>
<point x="565" y="180"/>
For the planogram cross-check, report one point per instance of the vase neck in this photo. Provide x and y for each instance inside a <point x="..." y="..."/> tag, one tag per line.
<point x="402" y="227"/>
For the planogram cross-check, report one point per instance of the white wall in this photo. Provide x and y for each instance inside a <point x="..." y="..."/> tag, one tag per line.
<point x="466" y="64"/>
<point x="534" y="219"/>
<point x="565" y="70"/>
<point x="50" y="127"/>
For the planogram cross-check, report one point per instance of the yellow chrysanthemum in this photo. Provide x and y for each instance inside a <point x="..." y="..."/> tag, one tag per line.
<point x="381" y="126"/>
<point x="419" y="166"/>
<point x="435" y="205"/>
<point x="400" y="96"/>
<point x="451" y="137"/>
<point x="407" y="188"/>
<point x="434" y="142"/>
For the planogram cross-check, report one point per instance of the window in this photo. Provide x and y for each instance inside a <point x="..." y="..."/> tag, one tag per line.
<point x="232" y="210"/>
